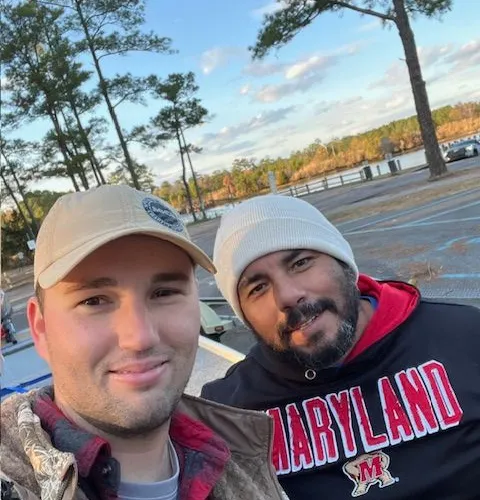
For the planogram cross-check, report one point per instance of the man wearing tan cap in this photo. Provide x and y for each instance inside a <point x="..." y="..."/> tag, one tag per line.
<point x="116" y="316"/>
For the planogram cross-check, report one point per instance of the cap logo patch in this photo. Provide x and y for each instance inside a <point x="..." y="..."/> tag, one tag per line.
<point x="162" y="214"/>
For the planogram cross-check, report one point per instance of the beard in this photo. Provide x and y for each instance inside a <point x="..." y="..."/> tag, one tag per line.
<point x="321" y="354"/>
<point x="122" y="424"/>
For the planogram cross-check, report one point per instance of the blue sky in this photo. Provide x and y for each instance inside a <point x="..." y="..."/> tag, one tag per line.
<point x="341" y="75"/>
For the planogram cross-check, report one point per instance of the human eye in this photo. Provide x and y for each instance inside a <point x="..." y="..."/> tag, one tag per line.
<point x="93" y="301"/>
<point x="165" y="292"/>
<point x="256" y="290"/>
<point x="302" y="263"/>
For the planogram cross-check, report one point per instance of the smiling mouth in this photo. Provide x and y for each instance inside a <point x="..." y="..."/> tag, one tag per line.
<point x="305" y="324"/>
<point x="140" y="375"/>
<point x="138" y="367"/>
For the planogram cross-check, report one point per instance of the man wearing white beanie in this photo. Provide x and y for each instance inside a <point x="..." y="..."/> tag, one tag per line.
<point x="372" y="389"/>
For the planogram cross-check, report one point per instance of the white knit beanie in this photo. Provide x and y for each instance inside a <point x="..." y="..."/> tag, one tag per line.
<point x="267" y="224"/>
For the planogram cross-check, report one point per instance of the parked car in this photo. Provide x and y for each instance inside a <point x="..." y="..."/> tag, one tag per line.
<point x="463" y="149"/>
<point x="212" y="325"/>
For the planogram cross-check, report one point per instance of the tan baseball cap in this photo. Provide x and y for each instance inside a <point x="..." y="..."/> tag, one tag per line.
<point x="81" y="222"/>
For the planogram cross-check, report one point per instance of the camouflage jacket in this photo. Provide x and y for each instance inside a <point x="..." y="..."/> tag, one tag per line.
<point x="31" y="468"/>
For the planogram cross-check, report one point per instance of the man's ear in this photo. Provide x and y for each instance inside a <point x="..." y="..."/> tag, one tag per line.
<point x="36" y="322"/>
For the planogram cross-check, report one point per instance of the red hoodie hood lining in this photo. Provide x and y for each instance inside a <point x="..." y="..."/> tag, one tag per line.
<point x="396" y="302"/>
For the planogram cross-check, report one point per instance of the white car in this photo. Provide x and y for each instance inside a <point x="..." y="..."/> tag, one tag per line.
<point x="463" y="149"/>
<point x="211" y="324"/>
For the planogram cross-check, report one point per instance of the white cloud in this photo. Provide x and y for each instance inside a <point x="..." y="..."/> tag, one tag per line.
<point x="260" y="69"/>
<point x="218" y="56"/>
<point x="357" y="114"/>
<point x="165" y="170"/>
<point x="274" y="93"/>
<point x="165" y="160"/>
<point x="350" y="49"/>
<point x="314" y="63"/>
<point x="396" y="102"/>
<point x="429" y="56"/>
<point x="327" y="106"/>
<point x="432" y="60"/>
<point x="245" y="89"/>
<point x="395" y="75"/>
<point x="467" y="56"/>
<point x="299" y="77"/>
<point x="226" y="136"/>
<point x="324" y="107"/>
<point x="303" y="65"/>
<point x="235" y="147"/>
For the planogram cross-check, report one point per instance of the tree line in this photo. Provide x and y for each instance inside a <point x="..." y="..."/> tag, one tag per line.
<point x="248" y="176"/>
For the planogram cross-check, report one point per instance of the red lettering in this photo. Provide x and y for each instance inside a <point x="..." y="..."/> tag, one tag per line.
<point x="398" y="426"/>
<point x="370" y="441"/>
<point x="370" y="469"/>
<point x="280" y="456"/>
<point x="340" y="407"/>
<point x="417" y="402"/>
<point x="446" y="405"/>
<point x="320" y="425"/>
<point x="302" y="457"/>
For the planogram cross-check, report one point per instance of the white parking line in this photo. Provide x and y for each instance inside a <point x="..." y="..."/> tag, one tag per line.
<point x="410" y="226"/>
<point x="444" y="212"/>
<point x="407" y="212"/>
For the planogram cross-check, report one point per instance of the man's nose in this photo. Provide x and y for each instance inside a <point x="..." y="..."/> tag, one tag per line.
<point x="135" y="327"/>
<point x="288" y="294"/>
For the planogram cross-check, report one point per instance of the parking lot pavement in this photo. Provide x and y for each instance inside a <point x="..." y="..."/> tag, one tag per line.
<point x="437" y="244"/>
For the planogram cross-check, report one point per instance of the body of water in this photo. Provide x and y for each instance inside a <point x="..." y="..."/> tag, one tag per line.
<point x="407" y="161"/>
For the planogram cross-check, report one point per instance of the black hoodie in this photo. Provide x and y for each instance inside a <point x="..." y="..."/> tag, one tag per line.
<point x="399" y="419"/>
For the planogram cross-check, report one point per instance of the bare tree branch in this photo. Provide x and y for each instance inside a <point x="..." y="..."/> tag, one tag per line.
<point x="116" y="52"/>
<point x="369" y="12"/>
<point x="98" y="14"/>
<point x="101" y="25"/>
<point x="125" y="97"/>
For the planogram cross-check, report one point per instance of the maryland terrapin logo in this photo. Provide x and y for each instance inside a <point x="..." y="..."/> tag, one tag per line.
<point x="367" y="470"/>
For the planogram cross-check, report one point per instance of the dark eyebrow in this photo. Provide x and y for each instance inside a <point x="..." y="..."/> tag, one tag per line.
<point x="286" y="260"/>
<point x="104" y="282"/>
<point x="169" y="277"/>
<point x="91" y="284"/>
<point x="291" y="256"/>
<point x="244" y="282"/>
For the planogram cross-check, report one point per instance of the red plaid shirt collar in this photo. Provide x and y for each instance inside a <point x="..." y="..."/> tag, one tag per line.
<point x="202" y="454"/>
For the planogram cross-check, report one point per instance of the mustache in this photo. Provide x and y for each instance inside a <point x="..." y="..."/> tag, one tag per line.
<point x="304" y="312"/>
